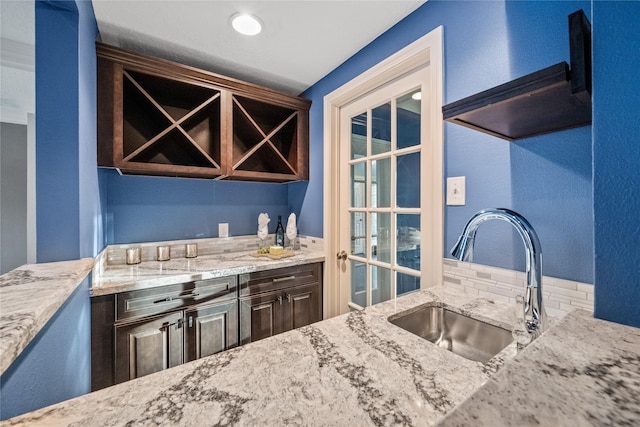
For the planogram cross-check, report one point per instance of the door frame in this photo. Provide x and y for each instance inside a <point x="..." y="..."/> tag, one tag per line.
<point x="426" y="51"/>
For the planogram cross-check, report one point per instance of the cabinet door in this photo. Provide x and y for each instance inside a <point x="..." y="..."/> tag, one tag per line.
<point x="148" y="346"/>
<point x="211" y="329"/>
<point x="303" y="306"/>
<point x="260" y="316"/>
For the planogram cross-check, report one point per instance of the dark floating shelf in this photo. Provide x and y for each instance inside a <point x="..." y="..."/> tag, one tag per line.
<point x="549" y="100"/>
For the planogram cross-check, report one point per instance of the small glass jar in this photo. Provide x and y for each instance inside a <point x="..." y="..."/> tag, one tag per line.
<point x="134" y="255"/>
<point x="191" y="250"/>
<point x="163" y="253"/>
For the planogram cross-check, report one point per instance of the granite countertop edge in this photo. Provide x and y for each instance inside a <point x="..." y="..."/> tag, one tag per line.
<point x="24" y="316"/>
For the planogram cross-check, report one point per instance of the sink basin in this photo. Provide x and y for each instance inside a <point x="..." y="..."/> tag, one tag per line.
<point x="462" y="335"/>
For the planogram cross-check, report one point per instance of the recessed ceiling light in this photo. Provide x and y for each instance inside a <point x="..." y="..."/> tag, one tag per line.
<point x="246" y="24"/>
<point x="417" y="96"/>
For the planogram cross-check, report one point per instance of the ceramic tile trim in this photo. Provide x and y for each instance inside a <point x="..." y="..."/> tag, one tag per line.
<point x="560" y="296"/>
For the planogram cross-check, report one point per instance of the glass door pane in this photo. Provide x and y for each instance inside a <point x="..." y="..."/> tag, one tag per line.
<point x="383" y="159"/>
<point x="359" y="234"/>
<point x="381" y="129"/>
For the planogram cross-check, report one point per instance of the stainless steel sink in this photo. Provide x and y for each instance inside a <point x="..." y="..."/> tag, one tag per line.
<point x="464" y="336"/>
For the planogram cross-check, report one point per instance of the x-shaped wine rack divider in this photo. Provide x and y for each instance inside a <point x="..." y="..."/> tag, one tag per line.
<point x="266" y="138"/>
<point x="175" y="124"/>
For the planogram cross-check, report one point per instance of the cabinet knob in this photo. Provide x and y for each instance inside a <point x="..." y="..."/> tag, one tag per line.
<point x="280" y="299"/>
<point x="342" y="255"/>
<point x="288" y="297"/>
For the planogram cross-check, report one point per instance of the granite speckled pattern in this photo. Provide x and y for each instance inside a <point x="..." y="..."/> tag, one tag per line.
<point x="583" y="372"/>
<point x="29" y="296"/>
<point x="356" y="369"/>
<point x="110" y="279"/>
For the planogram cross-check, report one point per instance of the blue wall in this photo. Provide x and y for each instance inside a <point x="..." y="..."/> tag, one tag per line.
<point x="91" y="201"/>
<point x="57" y="173"/>
<point x="616" y="155"/>
<point x="56" y="365"/>
<point x="68" y="200"/>
<point x="547" y="179"/>
<point x="143" y="209"/>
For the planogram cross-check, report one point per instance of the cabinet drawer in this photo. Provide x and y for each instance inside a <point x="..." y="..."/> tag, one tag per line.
<point x="147" y="302"/>
<point x="281" y="278"/>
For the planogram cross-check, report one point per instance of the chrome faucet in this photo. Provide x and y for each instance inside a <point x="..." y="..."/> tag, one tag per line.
<point x="535" y="318"/>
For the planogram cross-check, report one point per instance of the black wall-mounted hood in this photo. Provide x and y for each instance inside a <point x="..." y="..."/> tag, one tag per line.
<point x="549" y="100"/>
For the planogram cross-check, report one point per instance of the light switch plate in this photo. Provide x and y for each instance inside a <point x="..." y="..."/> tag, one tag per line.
<point x="456" y="191"/>
<point x="223" y="229"/>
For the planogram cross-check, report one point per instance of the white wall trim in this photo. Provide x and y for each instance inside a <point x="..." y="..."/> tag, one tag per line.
<point x="428" y="50"/>
<point x="31" y="189"/>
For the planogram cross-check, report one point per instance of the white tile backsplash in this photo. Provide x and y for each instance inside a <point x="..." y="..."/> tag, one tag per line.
<point x="560" y="296"/>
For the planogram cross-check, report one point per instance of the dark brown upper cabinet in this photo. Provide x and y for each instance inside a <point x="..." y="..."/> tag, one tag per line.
<point x="550" y="100"/>
<point x="157" y="117"/>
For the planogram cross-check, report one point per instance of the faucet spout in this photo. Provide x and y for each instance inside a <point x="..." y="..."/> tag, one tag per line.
<point x="534" y="316"/>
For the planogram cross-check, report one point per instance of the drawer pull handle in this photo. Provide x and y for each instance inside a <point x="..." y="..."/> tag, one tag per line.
<point x="280" y="299"/>
<point x="168" y="299"/>
<point x="288" y="297"/>
<point x="282" y="279"/>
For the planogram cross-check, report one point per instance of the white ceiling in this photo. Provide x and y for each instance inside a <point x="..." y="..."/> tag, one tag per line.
<point x="301" y="41"/>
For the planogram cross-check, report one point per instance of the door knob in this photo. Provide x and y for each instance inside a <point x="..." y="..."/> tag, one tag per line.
<point x="342" y="255"/>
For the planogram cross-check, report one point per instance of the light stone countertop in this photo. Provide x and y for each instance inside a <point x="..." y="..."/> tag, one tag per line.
<point x="356" y="369"/>
<point x="29" y="296"/>
<point x="582" y="372"/>
<point x="122" y="277"/>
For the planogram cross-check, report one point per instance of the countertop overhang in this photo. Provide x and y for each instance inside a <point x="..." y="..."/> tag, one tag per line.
<point x="29" y="297"/>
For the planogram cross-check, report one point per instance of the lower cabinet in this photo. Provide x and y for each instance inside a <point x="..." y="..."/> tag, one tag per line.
<point x="210" y="329"/>
<point x="261" y="316"/>
<point x="304" y="306"/>
<point x="140" y="332"/>
<point x="148" y="346"/>
<point x="153" y="344"/>
<point x="279" y="300"/>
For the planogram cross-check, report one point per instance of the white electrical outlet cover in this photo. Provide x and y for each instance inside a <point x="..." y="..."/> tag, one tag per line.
<point x="456" y="191"/>
<point x="223" y="229"/>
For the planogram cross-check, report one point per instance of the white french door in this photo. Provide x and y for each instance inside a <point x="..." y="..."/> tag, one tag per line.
<point x="381" y="191"/>
<point x="371" y="183"/>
